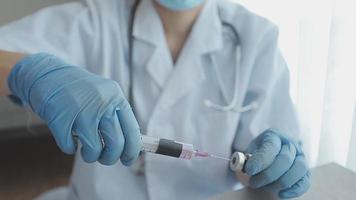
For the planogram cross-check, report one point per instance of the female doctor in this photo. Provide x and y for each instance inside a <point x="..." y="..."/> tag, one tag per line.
<point x="207" y="72"/>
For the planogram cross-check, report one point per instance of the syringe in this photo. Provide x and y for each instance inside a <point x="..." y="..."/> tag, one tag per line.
<point x="187" y="151"/>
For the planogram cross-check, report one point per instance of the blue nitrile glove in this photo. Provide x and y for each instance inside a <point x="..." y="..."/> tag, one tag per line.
<point x="277" y="165"/>
<point x="78" y="104"/>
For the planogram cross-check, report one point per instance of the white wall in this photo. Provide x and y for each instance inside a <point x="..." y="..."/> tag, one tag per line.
<point x="13" y="9"/>
<point x="10" y="10"/>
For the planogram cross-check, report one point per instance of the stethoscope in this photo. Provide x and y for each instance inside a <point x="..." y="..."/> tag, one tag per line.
<point x="208" y="103"/>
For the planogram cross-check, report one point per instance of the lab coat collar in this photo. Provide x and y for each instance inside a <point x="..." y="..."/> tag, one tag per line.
<point x="207" y="31"/>
<point x="148" y="29"/>
<point x="205" y="37"/>
<point x="147" y="24"/>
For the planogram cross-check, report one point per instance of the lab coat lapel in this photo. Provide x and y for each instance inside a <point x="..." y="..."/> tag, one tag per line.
<point x="148" y="29"/>
<point x="205" y="38"/>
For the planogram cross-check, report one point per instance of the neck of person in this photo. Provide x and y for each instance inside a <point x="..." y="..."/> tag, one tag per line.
<point x="177" y="26"/>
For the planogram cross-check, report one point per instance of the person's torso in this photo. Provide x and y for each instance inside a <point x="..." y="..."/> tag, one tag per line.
<point x="168" y="100"/>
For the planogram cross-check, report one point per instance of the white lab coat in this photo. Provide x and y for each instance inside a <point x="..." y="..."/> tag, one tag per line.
<point x="168" y="98"/>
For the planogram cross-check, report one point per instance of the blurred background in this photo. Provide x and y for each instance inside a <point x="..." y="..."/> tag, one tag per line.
<point x="31" y="163"/>
<point x="318" y="40"/>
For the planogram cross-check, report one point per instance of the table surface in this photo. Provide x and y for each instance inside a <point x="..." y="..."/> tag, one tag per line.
<point x="329" y="182"/>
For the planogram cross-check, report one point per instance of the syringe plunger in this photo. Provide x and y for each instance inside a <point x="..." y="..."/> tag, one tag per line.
<point x="167" y="147"/>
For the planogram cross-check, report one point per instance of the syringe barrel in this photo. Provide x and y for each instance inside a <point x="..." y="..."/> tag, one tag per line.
<point x="167" y="147"/>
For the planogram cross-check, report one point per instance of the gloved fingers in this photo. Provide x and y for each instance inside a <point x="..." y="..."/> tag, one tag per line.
<point x="297" y="189"/>
<point x="280" y="165"/>
<point x="113" y="137"/>
<point x="91" y="146"/>
<point x="131" y="132"/>
<point x="293" y="175"/>
<point x="268" y="147"/>
<point x="62" y="133"/>
<point x="86" y="130"/>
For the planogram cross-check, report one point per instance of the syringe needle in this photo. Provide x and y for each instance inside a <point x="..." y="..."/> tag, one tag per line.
<point x="219" y="157"/>
<point x="206" y="154"/>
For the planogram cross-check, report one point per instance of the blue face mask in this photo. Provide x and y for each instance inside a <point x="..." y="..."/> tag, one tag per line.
<point x="179" y="5"/>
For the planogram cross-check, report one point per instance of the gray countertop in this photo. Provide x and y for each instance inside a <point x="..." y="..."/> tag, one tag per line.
<point x="329" y="182"/>
<point x="12" y="116"/>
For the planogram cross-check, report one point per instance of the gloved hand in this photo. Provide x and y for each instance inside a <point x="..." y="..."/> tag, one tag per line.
<point x="277" y="165"/>
<point x="78" y="104"/>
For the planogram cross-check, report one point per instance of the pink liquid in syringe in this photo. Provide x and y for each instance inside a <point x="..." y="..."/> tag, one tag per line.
<point x="202" y="154"/>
